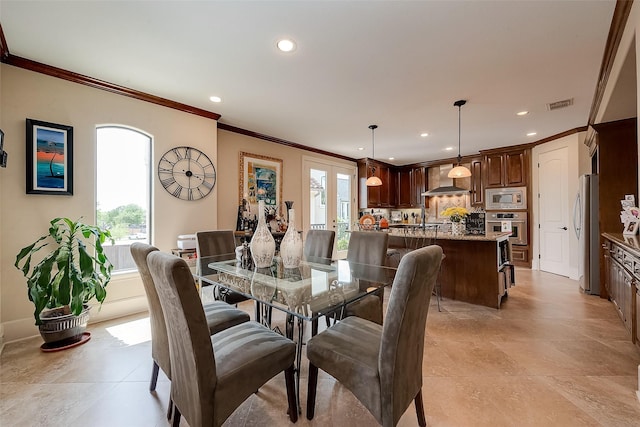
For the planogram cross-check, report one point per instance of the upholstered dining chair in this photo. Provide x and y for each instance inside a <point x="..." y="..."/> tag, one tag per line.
<point x="382" y="365"/>
<point x="219" y="315"/>
<point x="318" y="246"/>
<point x="218" y="243"/>
<point x="368" y="247"/>
<point x="213" y="375"/>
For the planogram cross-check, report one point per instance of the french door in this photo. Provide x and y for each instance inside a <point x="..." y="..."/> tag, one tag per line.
<point x="329" y="199"/>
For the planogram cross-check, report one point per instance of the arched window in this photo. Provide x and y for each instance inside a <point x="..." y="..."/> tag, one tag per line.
<point x="123" y="189"/>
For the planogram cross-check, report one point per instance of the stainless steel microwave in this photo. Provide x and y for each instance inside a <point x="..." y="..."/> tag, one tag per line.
<point x="498" y="199"/>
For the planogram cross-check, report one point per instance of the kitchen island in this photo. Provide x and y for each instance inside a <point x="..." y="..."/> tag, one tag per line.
<point x="477" y="268"/>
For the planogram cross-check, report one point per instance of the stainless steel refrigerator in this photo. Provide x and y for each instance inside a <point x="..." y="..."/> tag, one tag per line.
<point x="585" y="225"/>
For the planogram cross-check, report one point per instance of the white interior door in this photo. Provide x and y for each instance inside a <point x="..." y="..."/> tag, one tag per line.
<point x="329" y="203"/>
<point x="555" y="224"/>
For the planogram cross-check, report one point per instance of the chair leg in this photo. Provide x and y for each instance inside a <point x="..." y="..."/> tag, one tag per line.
<point x="154" y="376"/>
<point x="170" y="409"/>
<point x="312" y="381"/>
<point x="176" y="417"/>
<point x="314" y="327"/>
<point x="422" y="422"/>
<point x="291" y="393"/>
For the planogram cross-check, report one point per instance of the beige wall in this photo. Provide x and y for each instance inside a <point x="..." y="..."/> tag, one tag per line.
<point x="230" y="145"/>
<point x="24" y="217"/>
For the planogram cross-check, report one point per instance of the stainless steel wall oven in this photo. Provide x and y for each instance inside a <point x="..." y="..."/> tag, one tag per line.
<point x="517" y="221"/>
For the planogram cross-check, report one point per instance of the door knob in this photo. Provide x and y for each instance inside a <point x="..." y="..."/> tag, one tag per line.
<point x="562" y="228"/>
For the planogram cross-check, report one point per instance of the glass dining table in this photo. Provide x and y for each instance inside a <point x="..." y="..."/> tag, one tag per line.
<point x="317" y="287"/>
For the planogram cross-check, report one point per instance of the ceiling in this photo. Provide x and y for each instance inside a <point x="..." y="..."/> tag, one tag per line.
<point x="398" y="64"/>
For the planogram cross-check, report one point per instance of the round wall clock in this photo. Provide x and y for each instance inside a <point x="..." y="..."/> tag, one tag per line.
<point x="187" y="173"/>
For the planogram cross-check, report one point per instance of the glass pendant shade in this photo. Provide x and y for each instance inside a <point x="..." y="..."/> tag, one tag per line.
<point x="373" y="181"/>
<point x="459" y="171"/>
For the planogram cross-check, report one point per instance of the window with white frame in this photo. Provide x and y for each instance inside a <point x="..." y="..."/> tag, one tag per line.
<point x="123" y="190"/>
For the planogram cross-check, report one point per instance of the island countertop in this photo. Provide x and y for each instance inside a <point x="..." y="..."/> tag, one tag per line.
<point x="491" y="236"/>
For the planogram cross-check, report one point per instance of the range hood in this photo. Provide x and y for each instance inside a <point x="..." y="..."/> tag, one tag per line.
<point x="446" y="187"/>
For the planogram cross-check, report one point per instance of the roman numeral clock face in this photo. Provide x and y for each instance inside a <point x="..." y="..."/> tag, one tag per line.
<point x="187" y="173"/>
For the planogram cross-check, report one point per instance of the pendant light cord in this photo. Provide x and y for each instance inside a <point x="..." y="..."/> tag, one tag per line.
<point x="459" y="104"/>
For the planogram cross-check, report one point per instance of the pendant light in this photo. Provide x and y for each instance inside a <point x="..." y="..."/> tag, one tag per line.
<point x="459" y="171"/>
<point x="373" y="181"/>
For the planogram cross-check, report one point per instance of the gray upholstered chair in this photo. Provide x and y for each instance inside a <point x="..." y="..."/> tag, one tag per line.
<point x="318" y="246"/>
<point x="219" y="315"/>
<point x="368" y="247"/>
<point x="218" y="243"/>
<point x="213" y="375"/>
<point x="382" y="365"/>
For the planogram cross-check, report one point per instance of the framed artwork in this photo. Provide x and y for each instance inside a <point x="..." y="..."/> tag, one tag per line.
<point x="260" y="179"/>
<point x="49" y="158"/>
<point x="631" y="227"/>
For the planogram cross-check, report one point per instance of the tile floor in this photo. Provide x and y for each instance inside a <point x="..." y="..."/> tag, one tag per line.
<point x="550" y="357"/>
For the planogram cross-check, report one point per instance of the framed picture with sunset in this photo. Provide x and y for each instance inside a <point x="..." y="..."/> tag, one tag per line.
<point x="49" y="158"/>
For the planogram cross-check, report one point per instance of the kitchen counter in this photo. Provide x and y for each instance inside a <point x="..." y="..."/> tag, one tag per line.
<point x="490" y="236"/>
<point x="473" y="270"/>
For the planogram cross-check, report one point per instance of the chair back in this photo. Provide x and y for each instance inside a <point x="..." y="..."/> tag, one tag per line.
<point x="402" y="345"/>
<point x="159" y="338"/>
<point x="368" y="247"/>
<point x="212" y="243"/>
<point x="192" y="361"/>
<point x="318" y="246"/>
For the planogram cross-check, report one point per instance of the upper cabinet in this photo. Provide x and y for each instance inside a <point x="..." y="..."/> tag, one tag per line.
<point x="506" y="169"/>
<point x="477" y="184"/>
<point x="382" y="196"/>
<point x="410" y="186"/>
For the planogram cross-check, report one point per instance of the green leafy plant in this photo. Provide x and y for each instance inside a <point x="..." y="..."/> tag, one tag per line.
<point x="70" y="274"/>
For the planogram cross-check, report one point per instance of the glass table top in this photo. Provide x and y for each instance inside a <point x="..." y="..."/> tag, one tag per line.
<point x="315" y="287"/>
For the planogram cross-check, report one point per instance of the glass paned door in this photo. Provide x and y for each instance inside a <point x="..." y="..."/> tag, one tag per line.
<point x="329" y="200"/>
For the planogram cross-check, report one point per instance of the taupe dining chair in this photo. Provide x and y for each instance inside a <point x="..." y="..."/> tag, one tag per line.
<point x="218" y="243"/>
<point x="368" y="247"/>
<point x="219" y="315"/>
<point x="318" y="246"/>
<point x="382" y="365"/>
<point x="213" y="375"/>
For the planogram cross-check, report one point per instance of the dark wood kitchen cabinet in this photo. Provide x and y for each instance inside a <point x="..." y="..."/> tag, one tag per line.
<point x="410" y="184"/>
<point x="507" y="168"/>
<point x="382" y="196"/>
<point x="477" y="183"/>
<point x="404" y="181"/>
<point x="418" y="186"/>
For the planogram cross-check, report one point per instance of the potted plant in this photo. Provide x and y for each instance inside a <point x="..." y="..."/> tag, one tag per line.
<point x="456" y="216"/>
<point x="74" y="271"/>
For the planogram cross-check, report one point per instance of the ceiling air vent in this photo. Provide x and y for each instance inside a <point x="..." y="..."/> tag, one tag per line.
<point x="560" y="104"/>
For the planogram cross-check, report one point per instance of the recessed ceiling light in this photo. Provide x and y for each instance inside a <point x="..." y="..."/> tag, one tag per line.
<point x="286" y="45"/>
<point x="392" y="158"/>
<point x="424" y="134"/>
<point x="522" y="113"/>
<point x="449" y="148"/>
<point x="215" y="99"/>
<point x="532" y="133"/>
<point x="360" y="148"/>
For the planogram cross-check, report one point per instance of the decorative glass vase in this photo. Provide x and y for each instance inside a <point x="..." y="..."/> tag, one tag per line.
<point x="263" y="247"/>
<point x="291" y="245"/>
<point x="457" y="228"/>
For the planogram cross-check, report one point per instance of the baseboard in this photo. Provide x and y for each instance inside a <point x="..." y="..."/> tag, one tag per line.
<point x="17" y="330"/>
<point x="119" y="308"/>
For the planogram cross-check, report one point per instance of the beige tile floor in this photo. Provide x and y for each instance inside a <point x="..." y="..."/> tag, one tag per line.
<point x="550" y="357"/>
